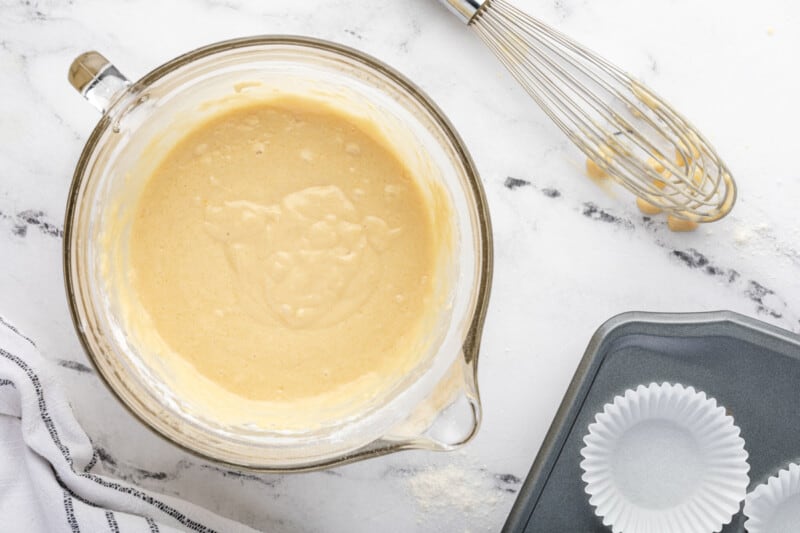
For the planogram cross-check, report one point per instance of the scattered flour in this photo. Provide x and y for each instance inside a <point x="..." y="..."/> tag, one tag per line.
<point x="453" y="487"/>
<point x="744" y="234"/>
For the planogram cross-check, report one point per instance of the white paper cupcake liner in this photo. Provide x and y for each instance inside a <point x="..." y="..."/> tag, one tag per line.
<point x="774" y="507"/>
<point x="664" y="458"/>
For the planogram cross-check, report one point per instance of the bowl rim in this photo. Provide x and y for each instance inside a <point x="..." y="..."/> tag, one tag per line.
<point x="476" y="315"/>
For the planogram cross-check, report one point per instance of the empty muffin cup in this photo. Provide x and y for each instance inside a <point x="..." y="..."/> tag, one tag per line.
<point x="774" y="507"/>
<point x="664" y="458"/>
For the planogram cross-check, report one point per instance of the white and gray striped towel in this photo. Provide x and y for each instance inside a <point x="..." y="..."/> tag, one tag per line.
<point x="46" y="462"/>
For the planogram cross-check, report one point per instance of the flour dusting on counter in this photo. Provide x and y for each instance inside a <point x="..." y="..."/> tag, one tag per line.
<point x="438" y="489"/>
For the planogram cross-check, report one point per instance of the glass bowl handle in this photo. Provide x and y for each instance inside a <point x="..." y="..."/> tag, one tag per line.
<point x="97" y="79"/>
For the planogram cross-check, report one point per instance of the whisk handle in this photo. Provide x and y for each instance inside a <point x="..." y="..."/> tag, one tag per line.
<point x="464" y="9"/>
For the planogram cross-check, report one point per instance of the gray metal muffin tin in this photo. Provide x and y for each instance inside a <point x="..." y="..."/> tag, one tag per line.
<point x="751" y="368"/>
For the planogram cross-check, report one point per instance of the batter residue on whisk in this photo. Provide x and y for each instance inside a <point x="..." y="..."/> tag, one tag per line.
<point x="285" y="251"/>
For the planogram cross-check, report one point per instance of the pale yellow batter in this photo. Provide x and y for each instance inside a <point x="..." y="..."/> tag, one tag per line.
<point x="285" y="252"/>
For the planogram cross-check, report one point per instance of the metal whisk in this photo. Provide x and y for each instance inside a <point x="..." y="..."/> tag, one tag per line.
<point x="624" y="127"/>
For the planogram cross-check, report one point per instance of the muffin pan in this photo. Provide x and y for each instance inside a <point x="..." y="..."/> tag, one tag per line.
<point x="750" y="367"/>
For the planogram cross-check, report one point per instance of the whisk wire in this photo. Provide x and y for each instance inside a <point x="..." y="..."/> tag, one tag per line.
<point x="542" y="84"/>
<point x="553" y="93"/>
<point x="626" y="128"/>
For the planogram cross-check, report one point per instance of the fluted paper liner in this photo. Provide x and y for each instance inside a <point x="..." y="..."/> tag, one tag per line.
<point x="664" y="458"/>
<point x="774" y="507"/>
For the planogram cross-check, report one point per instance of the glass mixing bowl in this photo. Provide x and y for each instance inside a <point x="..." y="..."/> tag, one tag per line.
<point x="435" y="406"/>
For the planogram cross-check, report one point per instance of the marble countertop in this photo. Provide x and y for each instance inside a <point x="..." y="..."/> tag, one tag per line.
<point x="569" y="255"/>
